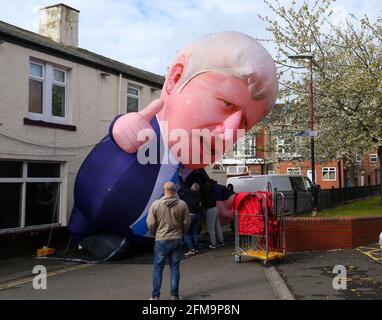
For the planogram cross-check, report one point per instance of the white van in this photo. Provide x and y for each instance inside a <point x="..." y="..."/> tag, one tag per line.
<point x="283" y="182"/>
<point x="296" y="189"/>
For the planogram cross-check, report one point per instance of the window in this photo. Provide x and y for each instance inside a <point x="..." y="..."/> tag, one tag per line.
<point x="47" y="92"/>
<point x="245" y="147"/>
<point x="373" y="158"/>
<point x="29" y="193"/>
<point x="295" y="171"/>
<point x="239" y="147"/>
<point x="36" y="83"/>
<point x="329" y="174"/>
<point x="237" y="169"/>
<point x="133" y="95"/>
<point x="250" y="145"/>
<point x="297" y="183"/>
<point x="280" y="143"/>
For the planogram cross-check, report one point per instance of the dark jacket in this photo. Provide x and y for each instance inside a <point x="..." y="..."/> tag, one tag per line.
<point x="193" y="200"/>
<point x="209" y="197"/>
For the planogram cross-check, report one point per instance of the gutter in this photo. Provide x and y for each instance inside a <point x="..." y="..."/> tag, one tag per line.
<point x="74" y="58"/>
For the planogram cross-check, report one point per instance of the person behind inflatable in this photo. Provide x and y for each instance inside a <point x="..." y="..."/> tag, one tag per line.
<point x="194" y="202"/>
<point x="212" y="216"/>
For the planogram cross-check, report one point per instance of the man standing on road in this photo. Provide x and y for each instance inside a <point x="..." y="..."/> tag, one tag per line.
<point x="168" y="220"/>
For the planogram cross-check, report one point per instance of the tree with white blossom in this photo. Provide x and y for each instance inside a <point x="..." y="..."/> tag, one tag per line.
<point x="347" y="73"/>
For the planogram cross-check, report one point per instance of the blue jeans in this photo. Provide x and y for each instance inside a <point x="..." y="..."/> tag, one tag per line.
<point x="192" y="236"/>
<point x="163" y="249"/>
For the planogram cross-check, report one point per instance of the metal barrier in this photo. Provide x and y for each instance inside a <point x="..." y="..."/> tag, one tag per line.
<point x="301" y="201"/>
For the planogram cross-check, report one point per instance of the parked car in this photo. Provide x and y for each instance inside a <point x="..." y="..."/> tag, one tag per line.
<point x="292" y="186"/>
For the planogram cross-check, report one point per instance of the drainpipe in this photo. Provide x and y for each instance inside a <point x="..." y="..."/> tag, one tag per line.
<point x="119" y="94"/>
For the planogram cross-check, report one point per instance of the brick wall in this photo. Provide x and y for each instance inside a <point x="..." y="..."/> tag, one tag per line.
<point x="305" y="165"/>
<point x="315" y="233"/>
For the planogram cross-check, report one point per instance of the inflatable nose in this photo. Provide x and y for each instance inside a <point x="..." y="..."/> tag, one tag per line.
<point x="232" y="123"/>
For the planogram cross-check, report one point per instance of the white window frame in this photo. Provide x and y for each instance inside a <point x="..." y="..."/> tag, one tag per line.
<point x="237" y="171"/>
<point x="280" y="143"/>
<point x="294" y="170"/>
<point x="34" y="115"/>
<point x="251" y="140"/>
<point x="48" y="82"/>
<point x="329" y="170"/>
<point x="23" y="180"/>
<point x="373" y="156"/>
<point x="130" y="95"/>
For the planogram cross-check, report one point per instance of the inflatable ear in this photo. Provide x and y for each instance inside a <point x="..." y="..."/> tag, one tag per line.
<point x="255" y="89"/>
<point x="175" y="73"/>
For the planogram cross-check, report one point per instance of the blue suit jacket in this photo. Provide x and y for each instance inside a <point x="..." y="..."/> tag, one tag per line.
<point x="113" y="191"/>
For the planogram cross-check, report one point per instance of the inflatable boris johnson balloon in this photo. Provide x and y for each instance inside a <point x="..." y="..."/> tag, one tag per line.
<point x="217" y="88"/>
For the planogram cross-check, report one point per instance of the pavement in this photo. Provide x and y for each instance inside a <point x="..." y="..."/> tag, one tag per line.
<point x="309" y="275"/>
<point x="209" y="275"/>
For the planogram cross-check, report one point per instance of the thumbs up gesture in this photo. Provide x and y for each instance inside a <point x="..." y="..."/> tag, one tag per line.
<point x="126" y="129"/>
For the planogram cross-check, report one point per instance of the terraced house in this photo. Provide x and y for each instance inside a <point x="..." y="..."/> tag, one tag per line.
<point x="56" y="102"/>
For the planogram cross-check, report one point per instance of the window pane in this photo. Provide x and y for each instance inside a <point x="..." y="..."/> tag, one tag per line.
<point x="10" y="195"/>
<point x="43" y="170"/>
<point x="10" y="169"/>
<point x="297" y="183"/>
<point x="58" y="101"/>
<point x="35" y="70"/>
<point x="35" y="96"/>
<point x="59" y="76"/>
<point x="132" y="104"/>
<point x="133" y="91"/>
<point x="42" y="203"/>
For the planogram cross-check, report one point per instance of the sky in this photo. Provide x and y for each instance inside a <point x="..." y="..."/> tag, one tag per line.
<point x="147" y="33"/>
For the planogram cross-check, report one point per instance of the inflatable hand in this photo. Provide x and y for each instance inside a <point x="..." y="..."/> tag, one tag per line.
<point x="225" y="210"/>
<point x="126" y="128"/>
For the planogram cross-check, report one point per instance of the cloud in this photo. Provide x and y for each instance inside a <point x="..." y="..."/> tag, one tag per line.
<point x="340" y="15"/>
<point x="147" y="34"/>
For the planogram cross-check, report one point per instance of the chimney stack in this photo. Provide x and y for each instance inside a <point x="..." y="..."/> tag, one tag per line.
<point x="60" y="23"/>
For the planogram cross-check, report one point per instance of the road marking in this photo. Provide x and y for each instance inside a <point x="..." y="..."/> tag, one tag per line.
<point x="374" y="252"/>
<point x="27" y="279"/>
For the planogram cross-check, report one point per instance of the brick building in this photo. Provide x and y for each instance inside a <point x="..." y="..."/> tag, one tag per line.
<point x="270" y="151"/>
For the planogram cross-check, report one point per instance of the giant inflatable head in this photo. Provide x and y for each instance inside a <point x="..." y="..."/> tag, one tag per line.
<point x="220" y="83"/>
<point x="223" y="81"/>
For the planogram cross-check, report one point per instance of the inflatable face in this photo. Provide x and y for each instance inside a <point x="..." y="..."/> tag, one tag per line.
<point x="220" y="83"/>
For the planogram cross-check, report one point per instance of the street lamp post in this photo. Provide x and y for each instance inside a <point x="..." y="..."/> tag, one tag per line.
<point x="309" y="56"/>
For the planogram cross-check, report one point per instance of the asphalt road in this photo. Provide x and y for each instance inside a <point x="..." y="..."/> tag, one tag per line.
<point x="309" y="275"/>
<point x="210" y="275"/>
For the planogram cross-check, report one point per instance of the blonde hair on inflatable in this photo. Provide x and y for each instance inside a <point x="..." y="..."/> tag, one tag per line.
<point x="234" y="54"/>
